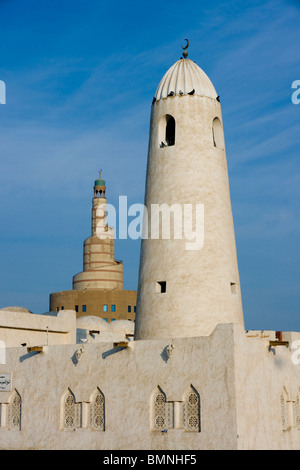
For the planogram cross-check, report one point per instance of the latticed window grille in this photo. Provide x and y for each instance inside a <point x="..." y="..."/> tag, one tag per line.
<point x="191" y="410"/>
<point x="284" y="411"/>
<point x="14" y="411"/>
<point x="72" y="415"/>
<point x="97" y="412"/>
<point x="160" y="411"/>
<point x="297" y="412"/>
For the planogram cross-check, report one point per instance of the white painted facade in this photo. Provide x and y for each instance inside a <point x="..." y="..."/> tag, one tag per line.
<point x="239" y="382"/>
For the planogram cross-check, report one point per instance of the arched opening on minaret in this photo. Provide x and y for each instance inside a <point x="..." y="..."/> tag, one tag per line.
<point x="99" y="193"/>
<point x="217" y="132"/>
<point x="170" y="130"/>
<point x="166" y="131"/>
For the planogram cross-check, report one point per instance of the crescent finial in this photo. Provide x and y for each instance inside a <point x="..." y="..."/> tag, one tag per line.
<point x="185" y="54"/>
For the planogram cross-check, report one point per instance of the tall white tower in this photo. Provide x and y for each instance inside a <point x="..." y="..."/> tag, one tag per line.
<point x="187" y="292"/>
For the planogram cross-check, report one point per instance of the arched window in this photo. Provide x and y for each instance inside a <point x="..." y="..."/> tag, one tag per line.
<point x="191" y="410"/>
<point x="297" y="411"/>
<point x="284" y="410"/>
<point x="170" y="130"/>
<point x="14" y="411"/>
<point x="71" y="411"/>
<point x="217" y="132"/>
<point x="159" y="411"/>
<point x="97" y="411"/>
<point x="167" y="131"/>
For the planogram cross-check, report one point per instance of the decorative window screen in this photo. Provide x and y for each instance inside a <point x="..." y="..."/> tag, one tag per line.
<point x="97" y="411"/>
<point x="161" y="411"/>
<point x="284" y="411"/>
<point x="191" y="410"/>
<point x="297" y="412"/>
<point x="14" y="411"/>
<point x="72" y="412"/>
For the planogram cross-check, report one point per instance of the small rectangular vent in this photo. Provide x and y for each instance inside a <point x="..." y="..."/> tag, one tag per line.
<point x="161" y="287"/>
<point x="233" y="287"/>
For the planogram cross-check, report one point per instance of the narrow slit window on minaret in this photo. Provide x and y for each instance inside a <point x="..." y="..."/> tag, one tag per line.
<point x="217" y="132"/>
<point x="166" y="131"/>
<point x="170" y="130"/>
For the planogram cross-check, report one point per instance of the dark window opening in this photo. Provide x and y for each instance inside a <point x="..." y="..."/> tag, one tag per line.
<point x="161" y="287"/>
<point x="217" y="133"/>
<point x="170" y="131"/>
<point x="99" y="193"/>
<point x="129" y="308"/>
<point x="76" y="308"/>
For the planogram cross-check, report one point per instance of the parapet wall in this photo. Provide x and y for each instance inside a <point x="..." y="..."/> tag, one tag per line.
<point x="19" y="327"/>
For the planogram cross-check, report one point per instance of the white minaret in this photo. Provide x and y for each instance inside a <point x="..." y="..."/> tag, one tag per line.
<point x="187" y="289"/>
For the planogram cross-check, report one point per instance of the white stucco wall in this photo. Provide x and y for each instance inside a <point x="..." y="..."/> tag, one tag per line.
<point x="261" y="373"/>
<point x="239" y="380"/>
<point x="127" y="378"/>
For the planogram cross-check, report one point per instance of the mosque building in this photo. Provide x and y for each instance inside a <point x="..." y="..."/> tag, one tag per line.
<point x="186" y="375"/>
<point x="98" y="290"/>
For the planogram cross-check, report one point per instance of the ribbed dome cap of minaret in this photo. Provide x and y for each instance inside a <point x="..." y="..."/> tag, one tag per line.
<point x="185" y="77"/>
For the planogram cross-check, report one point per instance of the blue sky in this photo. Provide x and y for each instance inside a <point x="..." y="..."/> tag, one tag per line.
<point x="80" y="77"/>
